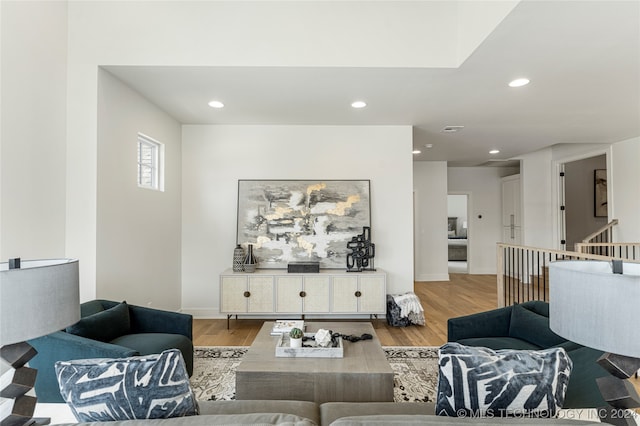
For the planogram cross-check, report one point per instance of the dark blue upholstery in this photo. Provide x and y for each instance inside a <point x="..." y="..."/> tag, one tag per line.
<point x="151" y="331"/>
<point x="526" y="326"/>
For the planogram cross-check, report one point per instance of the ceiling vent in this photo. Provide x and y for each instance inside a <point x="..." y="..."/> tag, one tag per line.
<point x="451" y="129"/>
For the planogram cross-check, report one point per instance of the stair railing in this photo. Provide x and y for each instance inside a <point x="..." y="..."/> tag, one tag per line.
<point x="602" y="235"/>
<point x="627" y="251"/>
<point x="523" y="274"/>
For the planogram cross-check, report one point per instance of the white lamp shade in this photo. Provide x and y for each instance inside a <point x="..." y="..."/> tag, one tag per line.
<point x="590" y="305"/>
<point x="39" y="298"/>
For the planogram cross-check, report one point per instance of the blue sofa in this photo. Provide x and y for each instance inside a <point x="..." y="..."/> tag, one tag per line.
<point x="526" y="326"/>
<point x="110" y="329"/>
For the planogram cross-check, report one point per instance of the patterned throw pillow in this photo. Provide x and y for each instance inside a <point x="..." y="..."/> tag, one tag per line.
<point x="143" y="387"/>
<point x="476" y="381"/>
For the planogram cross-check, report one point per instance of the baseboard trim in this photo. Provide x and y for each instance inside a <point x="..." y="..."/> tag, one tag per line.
<point x="482" y="271"/>
<point x="432" y="277"/>
<point x="204" y="313"/>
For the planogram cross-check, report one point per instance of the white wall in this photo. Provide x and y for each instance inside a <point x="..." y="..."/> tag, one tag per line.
<point x="430" y="197"/>
<point x="485" y="199"/>
<point x="215" y="157"/>
<point x="228" y="33"/>
<point x="33" y="131"/>
<point x="537" y="199"/>
<point x="624" y="184"/>
<point x="138" y="253"/>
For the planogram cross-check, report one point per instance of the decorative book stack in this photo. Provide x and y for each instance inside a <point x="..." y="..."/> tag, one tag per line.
<point x="285" y="326"/>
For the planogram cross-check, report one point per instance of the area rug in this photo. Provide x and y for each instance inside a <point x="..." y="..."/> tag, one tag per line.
<point x="415" y="368"/>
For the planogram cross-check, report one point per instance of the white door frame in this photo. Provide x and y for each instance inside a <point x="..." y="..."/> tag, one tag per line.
<point x="557" y="188"/>
<point x="469" y="232"/>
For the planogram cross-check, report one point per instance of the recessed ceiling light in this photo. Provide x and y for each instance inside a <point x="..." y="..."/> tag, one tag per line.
<point x="429" y="145"/>
<point x="451" y="129"/>
<point x="417" y="151"/>
<point x="519" y="82"/>
<point x="494" y="151"/>
<point x="359" y="104"/>
<point x="216" y="104"/>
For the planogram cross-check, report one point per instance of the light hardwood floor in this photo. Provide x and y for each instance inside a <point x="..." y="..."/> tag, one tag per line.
<point x="441" y="300"/>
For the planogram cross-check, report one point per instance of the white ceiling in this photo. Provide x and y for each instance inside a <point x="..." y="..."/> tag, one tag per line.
<point x="582" y="57"/>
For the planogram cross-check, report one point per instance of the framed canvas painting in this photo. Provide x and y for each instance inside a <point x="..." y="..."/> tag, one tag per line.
<point x="301" y="220"/>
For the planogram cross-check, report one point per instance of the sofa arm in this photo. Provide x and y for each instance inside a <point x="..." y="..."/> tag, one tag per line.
<point x="494" y="323"/>
<point x="61" y="346"/>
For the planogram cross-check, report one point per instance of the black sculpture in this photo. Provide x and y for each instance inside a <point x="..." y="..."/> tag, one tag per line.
<point x="362" y="252"/>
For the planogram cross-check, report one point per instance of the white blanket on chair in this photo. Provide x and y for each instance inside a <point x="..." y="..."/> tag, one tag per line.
<point x="410" y="307"/>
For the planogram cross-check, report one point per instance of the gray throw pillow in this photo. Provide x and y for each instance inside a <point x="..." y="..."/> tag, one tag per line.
<point x="481" y="382"/>
<point x="143" y="387"/>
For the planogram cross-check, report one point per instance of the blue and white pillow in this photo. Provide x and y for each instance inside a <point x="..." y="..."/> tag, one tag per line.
<point x="481" y="382"/>
<point x="143" y="387"/>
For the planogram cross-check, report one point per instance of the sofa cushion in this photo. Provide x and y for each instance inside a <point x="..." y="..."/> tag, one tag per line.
<point x="417" y="419"/>
<point x="537" y="306"/>
<point x="532" y="327"/>
<point x="332" y="411"/>
<point x="91" y="307"/>
<point x="154" y="343"/>
<point x="103" y="326"/>
<point x="144" y="387"/>
<point x="498" y="343"/>
<point x="484" y="382"/>
<point x="307" y="409"/>
<point x="236" y="419"/>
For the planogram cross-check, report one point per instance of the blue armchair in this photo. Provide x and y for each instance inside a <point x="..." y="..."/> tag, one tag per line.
<point x="526" y="327"/>
<point x="110" y="329"/>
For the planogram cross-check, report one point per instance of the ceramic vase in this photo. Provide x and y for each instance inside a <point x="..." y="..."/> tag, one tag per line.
<point x="250" y="262"/>
<point x="295" y="343"/>
<point x="238" y="259"/>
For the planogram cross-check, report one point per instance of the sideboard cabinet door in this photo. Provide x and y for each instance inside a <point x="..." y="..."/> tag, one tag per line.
<point x="288" y="289"/>
<point x="344" y="298"/>
<point x="261" y="299"/>
<point x="232" y="293"/>
<point x="373" y="298"/>
<point x="317" y="294"/>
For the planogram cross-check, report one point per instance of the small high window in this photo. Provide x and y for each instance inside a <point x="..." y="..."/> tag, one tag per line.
<point x="150" y="163"/>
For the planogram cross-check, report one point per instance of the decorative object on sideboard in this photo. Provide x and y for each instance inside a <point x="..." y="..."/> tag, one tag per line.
<point x="250" y="262"/>
<point x="238" y="258"/>
<point x="595" y="304"/>
<point x="38" y="298"/>
<point x="362" y="252"/>
<point x="303" y="267"/>
<point x="301" y="220"/>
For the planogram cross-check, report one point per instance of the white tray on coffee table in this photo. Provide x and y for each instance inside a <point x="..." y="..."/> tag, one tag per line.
<point x="285" y="351"/>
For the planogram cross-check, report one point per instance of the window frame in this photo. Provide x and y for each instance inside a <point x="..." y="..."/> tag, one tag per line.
<point x="156" y="165"/>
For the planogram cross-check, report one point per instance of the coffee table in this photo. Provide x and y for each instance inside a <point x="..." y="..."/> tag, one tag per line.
<point x="363" y="374"/>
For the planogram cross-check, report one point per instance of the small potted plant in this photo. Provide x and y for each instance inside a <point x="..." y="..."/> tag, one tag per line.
<point x="295" y="338"/>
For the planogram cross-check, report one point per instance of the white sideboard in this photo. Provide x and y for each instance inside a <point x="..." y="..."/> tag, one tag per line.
<point x="329" y="292"/>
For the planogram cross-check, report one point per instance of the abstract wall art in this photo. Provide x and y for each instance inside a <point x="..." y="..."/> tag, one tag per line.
<point x="301" y="220"/>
